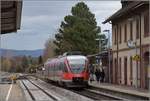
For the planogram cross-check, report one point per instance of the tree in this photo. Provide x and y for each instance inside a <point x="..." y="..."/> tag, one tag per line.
<point x="49" y="50"/>
<point x="19" y="68"/>
<point x="6" y="64"/>
<point x="40" y="60"/>
<point x="25" y="62"/>
<point x="78" y="31"/>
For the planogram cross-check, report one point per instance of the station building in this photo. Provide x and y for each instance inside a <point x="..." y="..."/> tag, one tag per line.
<point x="130" y="39"/>
<point x="10" y="15"/>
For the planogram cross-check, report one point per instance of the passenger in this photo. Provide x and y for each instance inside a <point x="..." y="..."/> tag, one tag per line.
<point x="91" y="68"/>
<point x="102" y="75"/>
<point x="97" y="73"/>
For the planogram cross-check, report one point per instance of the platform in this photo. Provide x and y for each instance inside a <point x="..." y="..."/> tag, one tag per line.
<point x="122" y="88"/>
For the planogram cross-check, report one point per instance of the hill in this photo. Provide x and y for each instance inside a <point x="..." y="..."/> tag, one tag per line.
<point x="11" y="52"/>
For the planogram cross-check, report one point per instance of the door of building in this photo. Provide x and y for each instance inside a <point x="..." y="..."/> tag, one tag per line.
<point x="146" y="66"/>
<point x="125" y="70"/>
<point x="116" y="72"/>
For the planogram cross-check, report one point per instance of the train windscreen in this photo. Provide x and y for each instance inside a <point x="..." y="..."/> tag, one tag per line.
<point x="77" y="65"/>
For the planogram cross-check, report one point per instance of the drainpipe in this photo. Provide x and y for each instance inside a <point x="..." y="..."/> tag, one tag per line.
<point x="117" y="55"/>
<point x="140" y="54"/>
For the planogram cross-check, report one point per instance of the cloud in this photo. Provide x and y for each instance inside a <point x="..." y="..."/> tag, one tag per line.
<point x="41" y="19"/>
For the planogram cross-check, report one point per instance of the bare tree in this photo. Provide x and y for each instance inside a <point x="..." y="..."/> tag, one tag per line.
<point x="49" y="50"/>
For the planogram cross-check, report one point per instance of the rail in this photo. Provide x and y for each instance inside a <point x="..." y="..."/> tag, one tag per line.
<point x="38" y="87"/>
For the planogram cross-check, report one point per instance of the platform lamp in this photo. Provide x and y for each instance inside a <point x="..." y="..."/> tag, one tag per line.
<point x="100" y="48"/>
<point x="108" y="32"/>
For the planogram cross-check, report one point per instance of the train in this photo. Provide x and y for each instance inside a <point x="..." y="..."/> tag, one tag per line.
<point x="68" y="70"/>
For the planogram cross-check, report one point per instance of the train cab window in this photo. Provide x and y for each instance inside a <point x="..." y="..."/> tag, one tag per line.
<point x="77" y="65"/>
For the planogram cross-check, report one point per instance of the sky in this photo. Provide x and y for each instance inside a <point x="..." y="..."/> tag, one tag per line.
<point x="41" y="20"/>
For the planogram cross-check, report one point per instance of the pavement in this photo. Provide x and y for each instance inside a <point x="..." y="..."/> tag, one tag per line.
<point x="122" y="88"/>
<point x="3" y="91"/>
<point x="11" y="92"/>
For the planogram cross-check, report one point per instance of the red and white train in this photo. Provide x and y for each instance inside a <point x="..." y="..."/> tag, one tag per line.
<point x="69" y="71"/>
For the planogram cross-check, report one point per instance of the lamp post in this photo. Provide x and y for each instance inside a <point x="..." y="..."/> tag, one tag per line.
<point x="108" y="32"/>
<point x="100" y="47"/>
<point x="99" y="44"/>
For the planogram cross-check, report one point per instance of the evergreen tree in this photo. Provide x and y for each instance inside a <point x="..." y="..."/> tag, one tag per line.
<point x="78" y="31"/>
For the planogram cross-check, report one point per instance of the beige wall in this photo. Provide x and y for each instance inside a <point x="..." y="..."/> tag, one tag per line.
<point x="129" y="52"/>
<point x="144" y="40"/>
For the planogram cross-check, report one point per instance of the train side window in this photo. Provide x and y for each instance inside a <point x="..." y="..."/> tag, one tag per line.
<point x="64" y="68"/>
<point x="59" y="65"/>
<point x="52" y="67"/>
<point x="56" y="66"/>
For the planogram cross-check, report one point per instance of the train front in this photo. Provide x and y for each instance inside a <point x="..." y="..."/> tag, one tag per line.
<point x="78" y="71"/>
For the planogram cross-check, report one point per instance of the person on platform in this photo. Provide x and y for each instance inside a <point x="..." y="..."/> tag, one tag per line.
<point x="97" y="73"/>
<point x="102" y="73"/>
<point x="91" y="70"/>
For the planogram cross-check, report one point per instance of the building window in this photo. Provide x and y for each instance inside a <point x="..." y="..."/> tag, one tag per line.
<point x="120" y="34"/>
<point x="115" y="41"/>
<point x="137" y="28"/>
<point x="125" y="32"/>
<point x="146" y="24"/>
<point x="131" y="32"/>
<point x="131" y="66"/>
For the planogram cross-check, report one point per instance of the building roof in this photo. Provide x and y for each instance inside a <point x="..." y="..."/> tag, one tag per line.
<point x="104" y="53"/>
<point x="10" y="16"/>
<point x="125" y="10"/>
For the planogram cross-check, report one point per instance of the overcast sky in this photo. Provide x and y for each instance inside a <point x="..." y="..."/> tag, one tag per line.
<point x="41" y="19"/>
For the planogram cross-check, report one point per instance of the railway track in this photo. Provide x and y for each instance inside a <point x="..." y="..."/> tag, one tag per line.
<point x="29" y="92"/>
<point x="101" y="94"/>
<point x="95" y="95"/>
<point x="92" y="94"/>
<point x="34" y="91"/>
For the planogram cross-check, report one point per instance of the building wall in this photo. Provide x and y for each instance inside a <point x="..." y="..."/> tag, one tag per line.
<point x="135" y="77"/>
